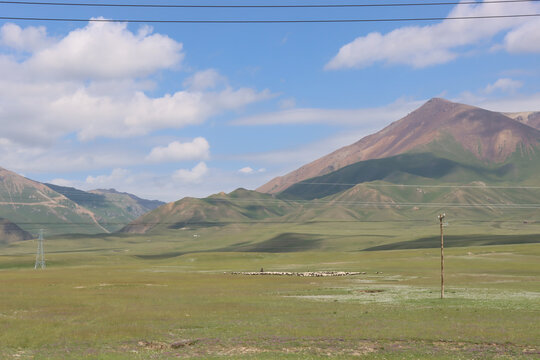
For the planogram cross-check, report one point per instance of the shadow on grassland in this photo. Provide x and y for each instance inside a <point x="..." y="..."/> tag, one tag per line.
<point x="161" y="256"/>
<point x="459" y="241"/>
<point x="282" y="243"/>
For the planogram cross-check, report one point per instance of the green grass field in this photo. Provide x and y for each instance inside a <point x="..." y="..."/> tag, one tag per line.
<point x="131" y="297"/>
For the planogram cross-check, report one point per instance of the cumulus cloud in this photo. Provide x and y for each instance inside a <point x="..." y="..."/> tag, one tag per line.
<point x="107" y="50"/>
<point x="249" y="170"/>
<point x="177" y="151"/>
<point x="524" y="39"/>
<point x="503" y="85"/>
<point x="115" y="176"/>
<point x="508" y="103"/>
<point x="31" y="38"/>
<point x="246" y="170"/>
<point x="63" y="182"/>
<point x="354" y="117"/>
<point x="203" y="80"/>
<point x="139" y="114"/>
<point x="421" y="46"/>
<point x="92" y="82"/>
<point x="194" y="175"/>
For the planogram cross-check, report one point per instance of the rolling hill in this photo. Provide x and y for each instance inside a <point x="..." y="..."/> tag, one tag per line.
<point x="474" y="164"/>
<point x="239" y="206"/>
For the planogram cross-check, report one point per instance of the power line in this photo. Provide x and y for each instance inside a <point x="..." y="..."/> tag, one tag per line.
<point x="419" y="185"/>
<point x="295" y="21"/>
<point x="346" y="202"/>
<point x="99" y="198"/>
<point x="270" y="222"/>
<point x="381" y="203"/>
<point x="370" y="203"/>
<point x="446" y="3"/>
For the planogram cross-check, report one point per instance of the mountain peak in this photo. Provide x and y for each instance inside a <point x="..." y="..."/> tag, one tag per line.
<point x="487" y="135"/>
<point x="437" y="100"/>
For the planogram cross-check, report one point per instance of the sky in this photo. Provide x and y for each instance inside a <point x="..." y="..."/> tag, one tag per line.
<point x="169" y="110"/>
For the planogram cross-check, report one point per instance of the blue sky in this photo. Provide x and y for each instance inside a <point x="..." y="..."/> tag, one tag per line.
<point x="166" y="111"/>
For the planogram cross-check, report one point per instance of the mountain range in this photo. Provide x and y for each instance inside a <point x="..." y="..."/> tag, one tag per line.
<point x="444" y="156"/>
<point x="472" y="163"/>
<point x="31" y="206"/>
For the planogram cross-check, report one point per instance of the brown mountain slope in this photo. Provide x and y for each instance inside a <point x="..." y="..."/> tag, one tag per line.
<point x="490" y="136"/>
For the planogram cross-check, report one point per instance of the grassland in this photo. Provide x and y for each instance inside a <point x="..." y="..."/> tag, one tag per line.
<point x="131" y="297"/>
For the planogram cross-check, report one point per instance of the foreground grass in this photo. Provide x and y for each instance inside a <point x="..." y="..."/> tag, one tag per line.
<point x="104" y="305"/>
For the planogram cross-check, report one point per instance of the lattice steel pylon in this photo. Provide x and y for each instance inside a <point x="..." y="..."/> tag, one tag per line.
<point x="40" y="256"/>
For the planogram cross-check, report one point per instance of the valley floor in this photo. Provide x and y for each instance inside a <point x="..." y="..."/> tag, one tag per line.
<point x="111" y="304"/>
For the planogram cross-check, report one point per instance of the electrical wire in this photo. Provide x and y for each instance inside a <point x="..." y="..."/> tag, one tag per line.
<point x="294" y="21"/>
<point x="356" y="203"/>
<point x="445" y="3"/>
<point x="419" y="185"/>
<point x="270" y="222"/>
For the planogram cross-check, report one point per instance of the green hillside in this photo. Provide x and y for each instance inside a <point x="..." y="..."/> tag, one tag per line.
<point x="240" y="206"/>
<point x="411" y="168"/>
<point x="386" y="202"/>
<point x="479" y="167"/>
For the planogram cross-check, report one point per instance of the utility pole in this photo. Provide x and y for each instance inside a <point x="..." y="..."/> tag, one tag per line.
<point x="40" y="256"/>
<point x="441" y="217"/>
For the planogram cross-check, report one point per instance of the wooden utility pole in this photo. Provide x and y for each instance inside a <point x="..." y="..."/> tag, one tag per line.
<point x="441" y="217"/>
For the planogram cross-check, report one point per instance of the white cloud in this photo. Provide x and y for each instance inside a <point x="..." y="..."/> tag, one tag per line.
<point x="513" y="103"/>
<point x="62" y="182"/>
<point x="177" y="151"/>
<point x="288" y="103"/>
<point x="65" y="156"/>
<point x="116" y="176"/>
<point x="29" y="39"/>
<point x="504" y="85"/>
<point x="421" y="46"/>
<point x="246" y="170"/>
<point x="138" y="114"/>
<point x="194" y="175"/>
<point x="524" y="39"/>
<point x="292" y="158"/>
<point x="501" y="96"/>
<point x="203" y="80"/>
<point x="353" y="117"/>
<point x="249" y="170"/>
<point x="92" y="82"/>
<point x="107" y="50"/>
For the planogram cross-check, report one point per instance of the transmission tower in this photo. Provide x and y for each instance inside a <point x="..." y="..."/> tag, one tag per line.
<point x="40" y="256"/>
